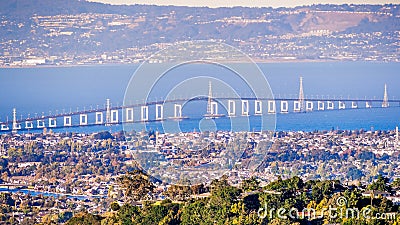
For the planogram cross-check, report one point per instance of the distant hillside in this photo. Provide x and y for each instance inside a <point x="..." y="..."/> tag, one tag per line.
<point x="28" y="8"/>
<point x="74" y="30"/>
<point x="333" y="17"/>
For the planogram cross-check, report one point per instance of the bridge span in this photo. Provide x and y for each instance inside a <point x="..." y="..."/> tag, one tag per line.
<point x="232" y="107"/>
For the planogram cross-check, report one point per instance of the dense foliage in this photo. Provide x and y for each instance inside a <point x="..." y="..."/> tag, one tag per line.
<point x="289" y="201"/>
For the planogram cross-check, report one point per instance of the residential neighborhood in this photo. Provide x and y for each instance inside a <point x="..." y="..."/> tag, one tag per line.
<point x="79" y="171"/>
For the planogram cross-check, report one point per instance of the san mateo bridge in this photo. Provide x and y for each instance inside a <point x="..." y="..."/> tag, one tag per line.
<point x="113" y="115"/>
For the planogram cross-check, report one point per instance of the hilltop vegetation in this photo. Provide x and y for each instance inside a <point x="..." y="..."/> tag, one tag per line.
<point x="290" y="201"/>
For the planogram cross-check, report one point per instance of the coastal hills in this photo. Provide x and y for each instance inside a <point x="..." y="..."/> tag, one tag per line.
<point x="75" y="31"/>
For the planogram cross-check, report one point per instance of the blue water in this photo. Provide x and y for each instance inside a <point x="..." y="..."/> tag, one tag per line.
<point x="35" y="193"/>
<point x="38" y="91"/>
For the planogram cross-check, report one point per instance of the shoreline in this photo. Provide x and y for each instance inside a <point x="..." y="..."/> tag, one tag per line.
<point x="231" y="62"/>
<point x="55" y="194"/>
<point x="332" y="129"/>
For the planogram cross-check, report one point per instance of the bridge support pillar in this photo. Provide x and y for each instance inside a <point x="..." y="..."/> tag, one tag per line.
<point x="245" y="107"/>
<point x="52" y="122"/>
<point x="271" y="107"/>
<point x="83" y="119"/>
<point x="368" y="105"/>
<point x="159" y="112"/>
<point x="129" y="115"/>
<point x="40" y="124"/>
<point x="321" y="105"/>
<point x="114" y="116"/>
<point x="177" y="111"/>
<point x="214" y="108"/>
<point x="284" y="107"/>
<point x="258" y="107"/>
<point x="354" y="105"/>
<point x="67" y="121"/>
<point x="144" y="113"/>
<point x="99" y="118"/>
<point x="342" y="105"/>
<point x="330" y="105"/>
<point x="296" y="106"/>
<point x="231" y="108"/>
<point x="28" y="125"/>
<point x="4" y="127"/>
<point x="309" y="106"/>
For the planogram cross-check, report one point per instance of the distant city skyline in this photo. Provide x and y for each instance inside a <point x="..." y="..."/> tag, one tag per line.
<point x="251" y="3"/>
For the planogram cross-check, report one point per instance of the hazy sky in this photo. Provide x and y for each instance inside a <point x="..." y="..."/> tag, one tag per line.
<point x="251" y="3"/>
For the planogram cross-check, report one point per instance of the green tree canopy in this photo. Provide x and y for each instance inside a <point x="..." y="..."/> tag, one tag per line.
<point x="137" y="185"/>
<point x="381" y="184"/>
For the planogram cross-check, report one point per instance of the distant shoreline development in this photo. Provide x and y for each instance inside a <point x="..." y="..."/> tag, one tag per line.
<point x="258" y="61"/>
<point x="121" y="36"/>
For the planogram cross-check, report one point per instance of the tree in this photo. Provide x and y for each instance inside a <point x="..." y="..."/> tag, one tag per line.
<point x="223" y="196"/>
<point x="396" y="183"/>
<point x="3" y="165"/>
<point x="104" y="135"/>
<point x="322" y="189"/>
<point x="64" y="216"/>
<point x="6" y="198"/>
<point x="179" y="192"/>
<point x="198" y="189"/>
<point x="292" y="184"/>
<point x="381" y="184"/>
<point x="137" y="185"/>
<point x="115" y="206"/>
<point x="171" y="218"/>
<point x="251" y="202"/>
<point x="127" y="213"/>
<point x="216" y="209"/>
<point x="197" y="213"/>
<point x="109" y="220"/>
<point x="251" y="184"/>
<point x="84" y="218"/>
<point x="154" y="214"/>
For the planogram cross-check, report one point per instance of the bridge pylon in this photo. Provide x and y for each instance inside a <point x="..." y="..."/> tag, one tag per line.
<point x="385" y="102"/>
<point x="14" y="122"/>
<point x="301" y="96"/>
<point x="396" y="143"/>
<point x="108" y="113"/>
<point x="212" y="106"/>
<point x="210" y="101"/>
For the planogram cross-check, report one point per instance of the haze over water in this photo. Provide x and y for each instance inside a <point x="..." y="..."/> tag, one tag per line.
<point x="37" y="90"/>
